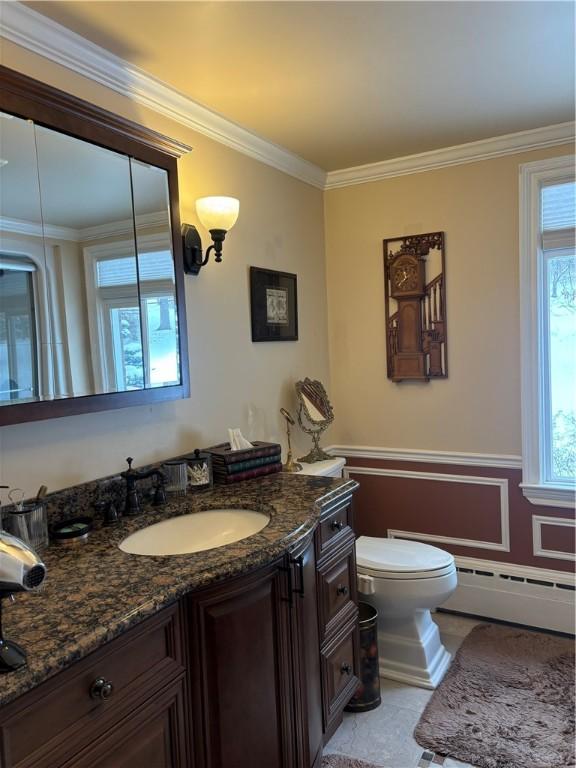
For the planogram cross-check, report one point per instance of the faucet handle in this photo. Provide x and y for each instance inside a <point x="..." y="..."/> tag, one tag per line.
<point x="129" y="460"/>
<point x="108" y="510"/>
<point x="159" y="493"/>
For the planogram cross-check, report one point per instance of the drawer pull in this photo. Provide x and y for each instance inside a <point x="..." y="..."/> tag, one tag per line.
<point x="299" y="563"/>
<point x="342" y="589"/>
<point x="337" y="525"/>
<point x="101" y="689"/>
<point x="346" y="669"/>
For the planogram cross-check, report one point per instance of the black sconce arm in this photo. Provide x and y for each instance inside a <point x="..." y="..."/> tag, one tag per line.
<point x="218" y="236"/>
<point x="192" y="248"/>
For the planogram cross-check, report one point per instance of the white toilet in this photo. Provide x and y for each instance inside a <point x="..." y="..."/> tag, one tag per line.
<point x="404" y="580"/>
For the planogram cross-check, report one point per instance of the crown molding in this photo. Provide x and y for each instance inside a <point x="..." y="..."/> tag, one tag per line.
<point x="472" y="152"/>
<point x="36" y="229"/>
<point x="417" y="456"/>
<point x="47" y="38"/>
<point x="96" y="232"/>
<point x="124" y="227"/>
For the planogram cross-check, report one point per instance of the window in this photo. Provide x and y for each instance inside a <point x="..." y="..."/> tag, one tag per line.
<point x="548" y="327"/>
<point x="134" y="326"/>
<point x="18" y="344"/>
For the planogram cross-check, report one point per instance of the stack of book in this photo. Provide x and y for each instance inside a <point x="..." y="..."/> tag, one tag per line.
<point x="230" y="466"/>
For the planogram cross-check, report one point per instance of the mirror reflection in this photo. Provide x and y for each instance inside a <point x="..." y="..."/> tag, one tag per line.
<point x="25" y="369"/>
<point x="87" y="283"/>
<point x="156" y="271"/>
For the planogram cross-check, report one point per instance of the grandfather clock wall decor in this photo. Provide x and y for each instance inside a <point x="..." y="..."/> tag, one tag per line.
<point x="414" y="272"/>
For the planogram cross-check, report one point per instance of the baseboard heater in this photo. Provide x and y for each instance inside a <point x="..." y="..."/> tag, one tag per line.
<point x="519" y="594"/>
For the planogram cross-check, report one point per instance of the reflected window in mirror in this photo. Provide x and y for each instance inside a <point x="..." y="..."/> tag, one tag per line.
<point x="114" y="317"/>
<point x="156" y="272"/>
<point x="18" y="334"/>
<point x="26" y="373"/>
<point x="87" y="212"/>
<point x="125" y="324"/>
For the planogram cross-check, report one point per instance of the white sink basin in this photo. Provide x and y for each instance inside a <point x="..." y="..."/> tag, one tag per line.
<point x="195" y="532"/>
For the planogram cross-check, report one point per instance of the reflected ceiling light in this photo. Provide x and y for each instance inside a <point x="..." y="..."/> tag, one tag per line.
<point x="218" y="215"/>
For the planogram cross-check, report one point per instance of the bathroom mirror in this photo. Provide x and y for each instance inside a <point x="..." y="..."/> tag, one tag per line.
<point x="92" y="309"/>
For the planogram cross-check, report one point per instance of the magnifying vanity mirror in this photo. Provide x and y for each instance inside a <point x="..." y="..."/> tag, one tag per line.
<point x="315" y="415"/>
<point x="92" y="309"/>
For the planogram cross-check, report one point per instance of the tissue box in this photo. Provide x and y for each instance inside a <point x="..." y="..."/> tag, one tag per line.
<point x="233" y="466"/>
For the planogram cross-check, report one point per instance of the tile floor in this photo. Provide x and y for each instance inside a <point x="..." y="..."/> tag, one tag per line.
<point x="384" y="735"/>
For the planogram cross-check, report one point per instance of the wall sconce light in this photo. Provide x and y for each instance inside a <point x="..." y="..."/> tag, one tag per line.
<point x="218" y="215"/>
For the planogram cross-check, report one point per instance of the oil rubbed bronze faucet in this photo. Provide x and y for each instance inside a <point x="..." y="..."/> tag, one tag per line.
<point x="132" y="498"/>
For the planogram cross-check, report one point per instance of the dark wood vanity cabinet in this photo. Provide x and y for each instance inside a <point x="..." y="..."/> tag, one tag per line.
<point x="240" y="671"/>
<point x="251" y="672"/>
<point x="153" y="736"/>
<point x="69" y="722"/>
<point x="337" y="611"/>
<point x="305" y="656"/>
<point x="255" y="668"/>
<point x="274" y="655"/>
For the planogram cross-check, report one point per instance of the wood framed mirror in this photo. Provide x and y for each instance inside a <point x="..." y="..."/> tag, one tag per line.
<point x="92" y="306"/>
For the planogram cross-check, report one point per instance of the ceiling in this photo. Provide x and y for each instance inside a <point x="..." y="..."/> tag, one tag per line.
<point x="346" y="83"/>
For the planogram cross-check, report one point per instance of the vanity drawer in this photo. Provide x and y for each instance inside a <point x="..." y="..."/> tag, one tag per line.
<point x="337" y="591"/>
<point x="339" y="670"/>
<point x="335" y="526"/>
<point x="48" y="725"/>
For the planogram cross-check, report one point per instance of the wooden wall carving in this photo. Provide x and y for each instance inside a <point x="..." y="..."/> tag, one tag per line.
<point x="415" y="292"/>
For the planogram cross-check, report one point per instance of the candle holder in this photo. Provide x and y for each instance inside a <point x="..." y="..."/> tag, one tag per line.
<point x="291" y="465"/>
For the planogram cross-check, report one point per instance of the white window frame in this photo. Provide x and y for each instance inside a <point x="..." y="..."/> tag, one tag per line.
<point x="100" y="301"/>
<point x="533" y="324"/>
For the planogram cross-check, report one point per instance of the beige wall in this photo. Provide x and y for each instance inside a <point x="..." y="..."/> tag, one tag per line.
<point x="234" y="382"/>
<point x="477" y="409"/>
<point x="237" y="383"/>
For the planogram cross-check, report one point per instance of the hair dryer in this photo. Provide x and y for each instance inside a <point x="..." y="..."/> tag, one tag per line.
<point x="21" y="570"/>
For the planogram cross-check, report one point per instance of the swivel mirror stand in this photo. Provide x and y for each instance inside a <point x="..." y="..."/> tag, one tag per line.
<point x="317" y="453"/>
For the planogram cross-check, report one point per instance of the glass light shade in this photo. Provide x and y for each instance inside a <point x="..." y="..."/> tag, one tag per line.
<point x="218" y="212"/>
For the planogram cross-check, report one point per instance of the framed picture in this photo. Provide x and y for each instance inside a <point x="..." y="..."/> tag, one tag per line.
<point x="274" y="305"/>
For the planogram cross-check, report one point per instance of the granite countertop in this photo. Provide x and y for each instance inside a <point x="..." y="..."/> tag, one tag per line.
<point x="94" y="591"/>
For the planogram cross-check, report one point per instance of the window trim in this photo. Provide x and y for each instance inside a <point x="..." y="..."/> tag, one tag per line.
<point x="533" y="176"/>
<point x="101" y="300"/>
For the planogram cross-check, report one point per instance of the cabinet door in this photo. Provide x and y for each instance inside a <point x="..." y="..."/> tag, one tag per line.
<point x="240" y="660"/>
<point x="306" y="657"/>
<point x="59" y="718"/>
<point x="153" y="736"/>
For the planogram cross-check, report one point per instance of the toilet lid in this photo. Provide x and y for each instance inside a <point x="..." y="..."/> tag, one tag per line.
<point x="401" y="557"/>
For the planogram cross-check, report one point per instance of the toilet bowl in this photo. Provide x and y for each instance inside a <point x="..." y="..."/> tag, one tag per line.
<point x="404" y="581"/>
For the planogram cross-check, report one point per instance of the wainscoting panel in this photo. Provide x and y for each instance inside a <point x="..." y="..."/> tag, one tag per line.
<point x="470" y="511"/>
<point x="553" y="537"/>
<point x="468" y="508"/>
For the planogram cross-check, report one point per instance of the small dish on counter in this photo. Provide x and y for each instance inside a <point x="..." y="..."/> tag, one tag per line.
<point x="72" y="531"/>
